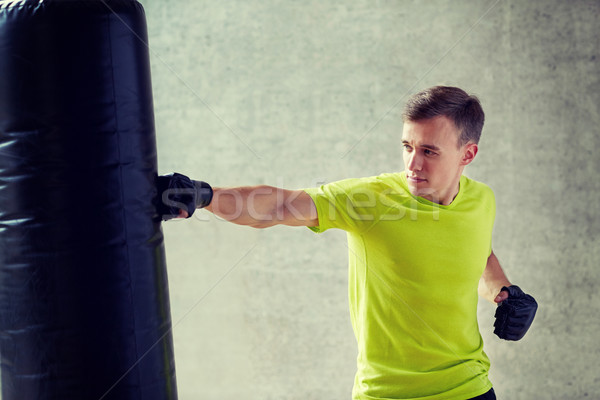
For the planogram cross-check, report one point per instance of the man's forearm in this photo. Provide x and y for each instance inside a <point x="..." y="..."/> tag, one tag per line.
<point x="247" y="205"/>
<point x="493" y="279"/>
<point x="263" y="206"/>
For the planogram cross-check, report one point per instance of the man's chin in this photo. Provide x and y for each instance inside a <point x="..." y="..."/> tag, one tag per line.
<point x="420" y="190"/>
<point x="417" y="189"/>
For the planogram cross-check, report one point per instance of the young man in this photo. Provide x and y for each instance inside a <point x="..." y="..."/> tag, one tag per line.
<point x="420" y="251"/>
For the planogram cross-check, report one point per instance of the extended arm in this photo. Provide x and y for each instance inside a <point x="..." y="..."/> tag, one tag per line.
<point x="257" y="206"/>
<point x="492" y="281"/>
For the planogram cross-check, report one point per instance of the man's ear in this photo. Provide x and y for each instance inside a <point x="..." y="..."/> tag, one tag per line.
<point x="469" y="153"/>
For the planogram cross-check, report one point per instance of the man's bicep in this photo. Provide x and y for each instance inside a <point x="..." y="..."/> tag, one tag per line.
<point x="299" y="209"/>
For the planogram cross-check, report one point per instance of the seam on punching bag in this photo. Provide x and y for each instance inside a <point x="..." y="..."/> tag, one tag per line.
<point x="121" y="186"/>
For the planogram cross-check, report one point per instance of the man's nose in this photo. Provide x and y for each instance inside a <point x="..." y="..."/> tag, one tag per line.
<point x="415" y="162"/>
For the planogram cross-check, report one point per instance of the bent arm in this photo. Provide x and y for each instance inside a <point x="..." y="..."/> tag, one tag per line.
<point x="264" y="206"/>
<point x="492" y="280"/>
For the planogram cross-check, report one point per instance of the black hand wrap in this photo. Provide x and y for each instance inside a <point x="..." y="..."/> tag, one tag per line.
<point x="515" y="314"/>
<point x="178" y="192"/>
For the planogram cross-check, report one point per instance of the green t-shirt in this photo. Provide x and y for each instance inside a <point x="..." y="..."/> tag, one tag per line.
<point x="413" y="277"/>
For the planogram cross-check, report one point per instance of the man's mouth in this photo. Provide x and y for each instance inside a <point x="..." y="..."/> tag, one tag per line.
<point x="416" y="179"/>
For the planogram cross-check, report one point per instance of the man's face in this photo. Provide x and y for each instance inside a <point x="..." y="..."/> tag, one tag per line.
<point x="432" y="159"/>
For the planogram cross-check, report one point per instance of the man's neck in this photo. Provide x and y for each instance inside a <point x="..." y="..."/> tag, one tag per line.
<point x="445" y="199"/>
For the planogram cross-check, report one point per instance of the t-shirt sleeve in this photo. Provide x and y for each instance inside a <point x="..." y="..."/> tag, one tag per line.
<point x="349" y="205"/>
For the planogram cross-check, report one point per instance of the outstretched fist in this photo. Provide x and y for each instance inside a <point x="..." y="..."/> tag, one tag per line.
<point x="179" y="196"/>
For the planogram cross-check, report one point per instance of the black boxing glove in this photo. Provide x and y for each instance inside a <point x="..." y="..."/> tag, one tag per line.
<point x="515" y="314"/>
<point x="178" y="192"/>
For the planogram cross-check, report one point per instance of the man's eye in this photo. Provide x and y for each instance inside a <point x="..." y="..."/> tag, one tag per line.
<point x="407" y="147"/>
<point x="430" y="153"/>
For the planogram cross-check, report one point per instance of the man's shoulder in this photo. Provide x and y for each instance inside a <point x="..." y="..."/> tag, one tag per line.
<point x="362" y="189"/>
<point x="391" y="177"/>
<point x="478" y="192"/>
<point x="374" y="182"/>
<point x="475" y="186"/>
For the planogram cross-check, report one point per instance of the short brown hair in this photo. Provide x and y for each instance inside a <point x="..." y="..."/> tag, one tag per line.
<point x="452" y="102"/>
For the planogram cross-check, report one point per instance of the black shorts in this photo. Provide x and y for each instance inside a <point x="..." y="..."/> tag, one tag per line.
<point x="486" y="396"/>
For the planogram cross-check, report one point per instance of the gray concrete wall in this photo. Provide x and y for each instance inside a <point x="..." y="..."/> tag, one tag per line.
<point x="293" y="93"/>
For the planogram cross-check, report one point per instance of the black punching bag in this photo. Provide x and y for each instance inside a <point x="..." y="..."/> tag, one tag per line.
<point x="84" y="304"/>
